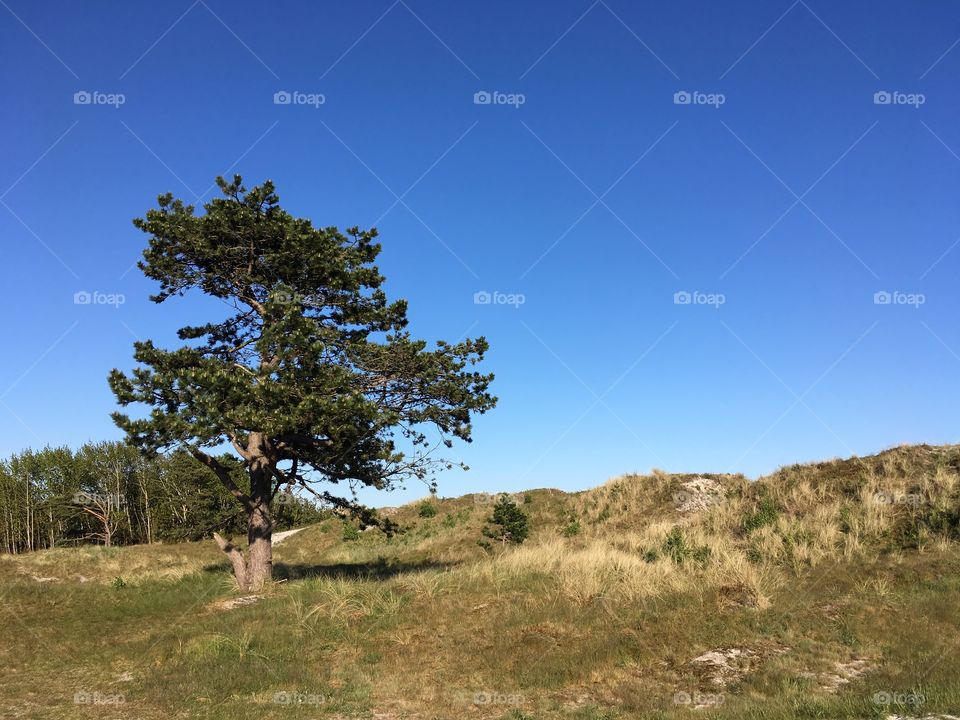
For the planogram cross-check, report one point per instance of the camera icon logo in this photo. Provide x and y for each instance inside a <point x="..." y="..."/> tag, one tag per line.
<point x="482" y="297"/>
<point x="482" y="97"/>
<point x="682" y="297"/>
<point x="885" y="498"/>
<point x="82" y="97"/>
<point x="882" y="97"/>
<point x="282" y="97"/>
<point x="882" y="297"/>
<point x="82" y="498"/>
<point x="682" y="97"/>
<point x="82" y="298"/>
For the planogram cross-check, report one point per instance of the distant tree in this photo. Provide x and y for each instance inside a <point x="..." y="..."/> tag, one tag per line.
<point x="191" y="500"/>
<point x="508" y="523"/>
<point x="311" y="376"/>
<point x="107" y="475"/>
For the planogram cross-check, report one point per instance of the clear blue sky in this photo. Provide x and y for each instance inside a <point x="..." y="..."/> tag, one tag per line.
<point x="598" y="198"/>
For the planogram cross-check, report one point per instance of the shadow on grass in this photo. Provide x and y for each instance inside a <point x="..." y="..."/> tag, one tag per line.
<point x="375" y="570"/>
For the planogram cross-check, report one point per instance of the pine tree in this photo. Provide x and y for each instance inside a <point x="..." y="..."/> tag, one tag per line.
<point x="312" y="377"/>
<point x="510" y="522"/>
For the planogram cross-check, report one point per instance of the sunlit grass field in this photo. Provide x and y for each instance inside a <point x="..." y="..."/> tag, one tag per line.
<point x="821" y="591"/>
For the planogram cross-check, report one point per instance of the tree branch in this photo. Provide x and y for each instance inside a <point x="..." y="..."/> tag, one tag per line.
<point x="223" y="474"/>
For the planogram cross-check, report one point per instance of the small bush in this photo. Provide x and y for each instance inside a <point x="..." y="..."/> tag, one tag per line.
<point x="571" y="529"/>
<point x="915" y="529"/>
<point x="679" y="550"/>
<point x="427" y="509"/>
<point x="765" y="513"/>
<point x="510" y="523"/>
<point x="350" y="532"/>
<point x="846" y="516"/>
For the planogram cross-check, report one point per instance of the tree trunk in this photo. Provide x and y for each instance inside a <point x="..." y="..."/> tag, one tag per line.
<point x="260" y="527"/>
<point x="260" y="544"/>
<point x="256" y="572"/>
<point x="236" y="559"/>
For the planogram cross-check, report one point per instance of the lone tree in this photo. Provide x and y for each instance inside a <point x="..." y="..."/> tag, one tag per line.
<point x="311" y="376"/>
<point x="510" y="523"/>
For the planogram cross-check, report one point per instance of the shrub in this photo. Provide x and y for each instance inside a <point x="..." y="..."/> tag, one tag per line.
<point x="427" y="509"/>
<point x="350" y="532"/>
<point x="676" y="547"/>
<point x="572" y="528"/>
<point x="845" y="519"/>
<point x="913" y="530"/>
<point x="765" y="513"/>
<point x="510" y="523"/>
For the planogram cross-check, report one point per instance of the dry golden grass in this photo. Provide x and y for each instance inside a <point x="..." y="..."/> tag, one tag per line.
<point x="606" y="604"/>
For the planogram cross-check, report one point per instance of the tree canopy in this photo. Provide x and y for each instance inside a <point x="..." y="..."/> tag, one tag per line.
<point x="311" y="376"/>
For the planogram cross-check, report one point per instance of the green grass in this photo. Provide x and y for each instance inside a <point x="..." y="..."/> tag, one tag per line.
<point x="428" y="625"/>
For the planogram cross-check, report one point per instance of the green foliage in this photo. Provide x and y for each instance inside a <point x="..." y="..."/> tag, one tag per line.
<point x="118" y="583"/>
<point x="846" y="516"/>
<point x="917" y="525"/>
<point x="427" y="509"/>
<point x="527" y="499"/>
<point x="765" y="512"/>
<point x="676" y="547"/>
<point x="312" y="377"/>
<point x="572" y="527"/>
<point x="509" y="523"/>
<point x="110" y="492"/>
<point x="350" y="532"/>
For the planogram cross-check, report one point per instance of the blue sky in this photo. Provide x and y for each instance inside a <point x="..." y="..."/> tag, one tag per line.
<point x="782" y="197"/>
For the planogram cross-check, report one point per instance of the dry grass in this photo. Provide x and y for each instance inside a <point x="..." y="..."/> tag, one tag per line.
<point x="571" y="624"/>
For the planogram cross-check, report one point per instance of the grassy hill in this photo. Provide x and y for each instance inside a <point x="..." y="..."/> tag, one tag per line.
<point x="821" y="591"/>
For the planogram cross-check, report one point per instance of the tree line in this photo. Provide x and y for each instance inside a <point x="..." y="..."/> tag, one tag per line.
<point x="109" y="493"/>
